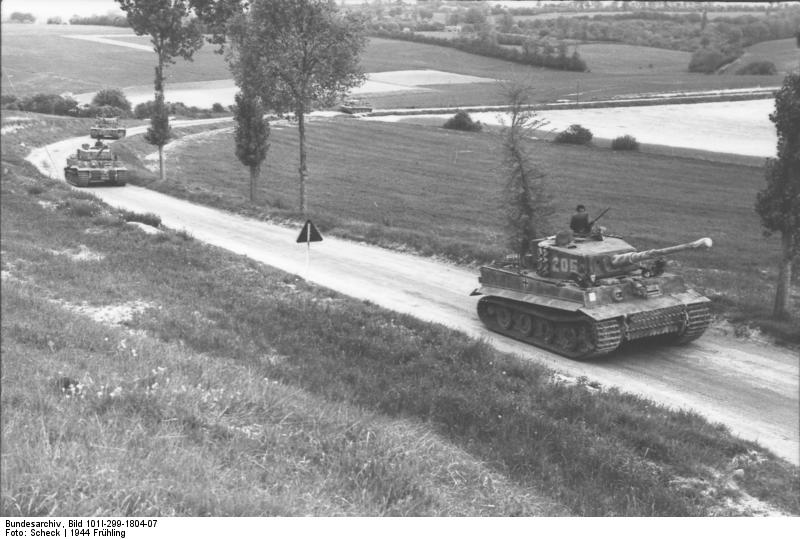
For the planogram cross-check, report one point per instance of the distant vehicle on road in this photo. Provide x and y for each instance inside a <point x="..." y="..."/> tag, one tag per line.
<point x="355" y="106"/>
<point x="107" y="128"/>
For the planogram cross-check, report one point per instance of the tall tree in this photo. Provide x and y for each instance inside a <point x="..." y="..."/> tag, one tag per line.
<point x="252" y="130"/>
<point x="308" y="55"/>
<point x="216" y="15"/>
<point x="778" y="204"/>
<point x="252" y="134"/>
<point x="173" y="33"/>
<point x="528" y="204"/>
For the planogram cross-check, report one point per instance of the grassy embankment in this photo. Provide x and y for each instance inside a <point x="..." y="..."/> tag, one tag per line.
<point x="437" y="192"/>
<point x="234" y="389"/>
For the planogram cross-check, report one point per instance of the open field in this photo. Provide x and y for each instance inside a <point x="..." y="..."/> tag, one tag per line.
<point x="37" y="58"/>
<point x="782" y="52"/>
<point x="166" y="377"/>
<point x="437" y="192"/>
<point x="617" y="58"/>
<point x="735" y="127"/>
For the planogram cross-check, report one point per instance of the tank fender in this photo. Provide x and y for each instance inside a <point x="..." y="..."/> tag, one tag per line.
<point x="536" y="299"/>
<point x="603" y="312"/>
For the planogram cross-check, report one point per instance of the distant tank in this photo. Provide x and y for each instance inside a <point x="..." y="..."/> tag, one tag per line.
<point x="355" y="106"/>
<point x="107" y="128"/>
<point x="95" y="164"/>
<point x="583" y="297"/>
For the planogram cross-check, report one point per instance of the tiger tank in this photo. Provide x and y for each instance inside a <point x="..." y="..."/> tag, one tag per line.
<point x="107" y="128"/>
<point x="584" y="296"/>
<point x="95" y="164"/>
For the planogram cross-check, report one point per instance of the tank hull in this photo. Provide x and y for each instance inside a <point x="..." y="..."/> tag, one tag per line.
<point x="109" y="133"/>
<point x="86" y="176"/>
<point x="578" y="335"/>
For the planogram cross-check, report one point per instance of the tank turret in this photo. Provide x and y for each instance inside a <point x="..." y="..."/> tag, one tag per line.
<point x="586" y="259"/>
<point x="584" y="296"/>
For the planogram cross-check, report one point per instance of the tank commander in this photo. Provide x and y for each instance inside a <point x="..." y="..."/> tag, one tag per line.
<point x="580" y="221"/>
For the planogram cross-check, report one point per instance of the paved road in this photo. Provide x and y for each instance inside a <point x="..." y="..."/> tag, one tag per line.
<point x="751" y="387"/>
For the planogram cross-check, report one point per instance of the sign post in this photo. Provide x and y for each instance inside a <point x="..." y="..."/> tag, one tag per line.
<point x="308" y="234"/>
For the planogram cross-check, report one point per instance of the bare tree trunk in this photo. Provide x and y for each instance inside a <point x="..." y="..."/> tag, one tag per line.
<point x="160" y="103"/>
<point x="301" y="127"/>
<point x="255" y="170"/>
<point x="781" y="309"/>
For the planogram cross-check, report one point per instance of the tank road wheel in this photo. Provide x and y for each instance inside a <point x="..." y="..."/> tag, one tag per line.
<point x="543" y="330"/>
<point x="503" y="316"/>
<point x="525" y="324"/>
<point x="566" y="337"/>
<point x="583" y="339"/>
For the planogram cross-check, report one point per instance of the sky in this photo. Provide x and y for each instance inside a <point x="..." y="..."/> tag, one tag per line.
<point x="43" y="9"/>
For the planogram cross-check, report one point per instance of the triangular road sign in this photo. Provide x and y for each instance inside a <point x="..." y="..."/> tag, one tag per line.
<point x="309" y="233"/>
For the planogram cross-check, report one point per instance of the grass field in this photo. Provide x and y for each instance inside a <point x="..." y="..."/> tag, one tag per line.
<point x="437" y="192"/>
<point x="217" y="386"/>
<point x="40" y="59"/>
<point x="782" y="52"/>
<point x="616" y="58"/>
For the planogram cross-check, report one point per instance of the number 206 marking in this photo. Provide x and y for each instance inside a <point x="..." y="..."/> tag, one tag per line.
<point x="564" y="265"/>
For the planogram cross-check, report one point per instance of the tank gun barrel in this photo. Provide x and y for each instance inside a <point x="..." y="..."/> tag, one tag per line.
<point x="637" y="256"/>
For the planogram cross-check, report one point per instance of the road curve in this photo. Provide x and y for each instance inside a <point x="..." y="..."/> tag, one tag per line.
<point x="753" y="388"/>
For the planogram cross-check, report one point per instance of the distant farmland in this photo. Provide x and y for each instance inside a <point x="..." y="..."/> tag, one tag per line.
<point x="39" y="59"/>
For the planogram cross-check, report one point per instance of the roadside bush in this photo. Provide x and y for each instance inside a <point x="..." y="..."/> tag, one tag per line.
<point x="82" y="208"/>
<point x="217" y="107"/>
<point x="146" y="218"/>
<point x="709" y="60"/>
<point x="101" y="20"/>
<point x="625" y="142"/>
<point x="462" y="121"/>
<point x="763" y="67"/>
<point x="93" y="111"/>
<point x="112" y="97"/>
<point x="574" y="134"/>
<point x="147" y="109"/>
<point x="47" y="104"/>
<point x="9" y="102"/>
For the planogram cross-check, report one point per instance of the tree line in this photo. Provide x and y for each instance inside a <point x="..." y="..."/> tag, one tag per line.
<point x="713" y="42"/>
<point x="532" y="52"/>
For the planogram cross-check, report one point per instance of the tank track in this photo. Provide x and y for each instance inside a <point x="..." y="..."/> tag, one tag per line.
<point x="76" y="178"/>
<point x="573" y="335"/>
<point x="577" y="336"/>
<point x="698" y="318"/>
